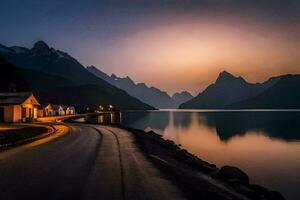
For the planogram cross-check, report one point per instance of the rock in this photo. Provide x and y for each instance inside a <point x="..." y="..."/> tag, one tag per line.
<point x="259" y="189"/>
<point x="235" y="182"/>
<point x="252" y="194"/>
<point x="169" y="143"/>
<point x="229" y="172"/>
<point x="273" y="195"/>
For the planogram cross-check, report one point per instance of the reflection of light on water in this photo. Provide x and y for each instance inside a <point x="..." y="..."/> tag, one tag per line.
<point x="111" y="118"/>
<point x="269" y="161"/>
<point x="264" y="144"/>
<point x="101" y="119"/>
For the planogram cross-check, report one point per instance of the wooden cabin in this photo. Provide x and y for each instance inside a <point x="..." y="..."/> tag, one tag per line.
<point x="18" y="107"/>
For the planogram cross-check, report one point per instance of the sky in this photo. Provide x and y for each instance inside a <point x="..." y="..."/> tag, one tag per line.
<point x="174" y="45"/>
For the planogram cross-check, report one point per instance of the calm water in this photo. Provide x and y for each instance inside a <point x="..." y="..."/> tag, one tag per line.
<point x="264" y="144"/>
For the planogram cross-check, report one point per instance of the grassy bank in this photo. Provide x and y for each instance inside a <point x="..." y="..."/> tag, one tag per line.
<point x="14" y="134"/>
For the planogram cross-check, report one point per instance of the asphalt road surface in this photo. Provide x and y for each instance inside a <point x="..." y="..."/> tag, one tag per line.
<point x="90" y="162"/>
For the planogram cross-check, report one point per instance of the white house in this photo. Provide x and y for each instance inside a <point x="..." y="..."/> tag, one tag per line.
<point x="58" y="110"/>
<point x="70" y="110"/>
<point x="18" y="107"/>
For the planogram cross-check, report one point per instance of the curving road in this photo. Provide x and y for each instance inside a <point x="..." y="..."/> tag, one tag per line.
<point x="90" y="162"/>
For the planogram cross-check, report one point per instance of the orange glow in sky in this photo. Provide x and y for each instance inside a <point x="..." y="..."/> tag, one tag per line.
<point x="172" y="44"/>
<point x="189" y="54"/>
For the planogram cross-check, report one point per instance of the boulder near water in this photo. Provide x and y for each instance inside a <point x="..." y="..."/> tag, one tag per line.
<point x="233" y="173"/>
<point x="273" y="195"/>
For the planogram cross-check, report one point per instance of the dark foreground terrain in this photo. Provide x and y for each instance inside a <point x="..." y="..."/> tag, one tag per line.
<point x="89" y="162"/>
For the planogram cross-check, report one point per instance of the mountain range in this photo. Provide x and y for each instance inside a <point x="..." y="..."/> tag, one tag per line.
<point x="229" y="91"/>
<point x="182" y="97"/>
<point x="150" y="95"/>
<point x="284" y="94"/>
<point x="57" y="77"/>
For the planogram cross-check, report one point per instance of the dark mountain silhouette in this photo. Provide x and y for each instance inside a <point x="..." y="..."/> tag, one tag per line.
<point x="97" y="72"/>
<point x="59" y="90"/>
<point x="51" y="71"/>
<point x="48" y="60"/>
<point x="11" y="80"/>
<point x="150" y="95"/>
<point x="284" y="94"/>
<point x="227" y="90"/>
<point x="182" y="97"/>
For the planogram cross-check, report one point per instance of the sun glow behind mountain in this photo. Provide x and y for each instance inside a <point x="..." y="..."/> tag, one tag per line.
<point x="197" y="49"/>
<point x="174" y="45"/>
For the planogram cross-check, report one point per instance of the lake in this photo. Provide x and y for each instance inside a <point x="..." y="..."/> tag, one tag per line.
<point x="265" y="144"/>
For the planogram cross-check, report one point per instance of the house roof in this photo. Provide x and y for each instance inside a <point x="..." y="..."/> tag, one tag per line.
<point x="15" y="98"/>
<point x="43" y="106"/>
<point x="55" y="107"/>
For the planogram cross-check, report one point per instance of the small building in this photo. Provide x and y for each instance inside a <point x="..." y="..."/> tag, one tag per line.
<point x="18" y="107"/>
<point x="70" y="110"/>
<point x="59" y="110"/>
<point x="45" y="110"/>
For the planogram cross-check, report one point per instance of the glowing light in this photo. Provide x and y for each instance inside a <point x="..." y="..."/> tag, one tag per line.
<point x="101" y="108"/>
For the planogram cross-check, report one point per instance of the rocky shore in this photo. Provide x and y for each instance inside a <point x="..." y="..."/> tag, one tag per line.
<point x="197" y="178"/>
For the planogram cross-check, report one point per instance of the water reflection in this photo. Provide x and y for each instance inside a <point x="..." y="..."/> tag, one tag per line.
<point x="107" y="118"/>
<point x="146" y="120"/>
<point x="283" y="125"/>
<point x="264" y="144"/>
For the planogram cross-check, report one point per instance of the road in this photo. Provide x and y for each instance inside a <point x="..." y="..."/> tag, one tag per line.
<point x="90" y="162"/>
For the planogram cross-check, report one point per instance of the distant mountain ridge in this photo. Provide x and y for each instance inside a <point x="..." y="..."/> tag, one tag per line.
<point x="182" y="97"/>
<point x="73" y="78"/>
<point x="150" y="95"/>
<point x="284" y="94"/>
<point x="226" y="91"/>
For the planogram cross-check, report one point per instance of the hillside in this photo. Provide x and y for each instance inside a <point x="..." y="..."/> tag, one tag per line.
<point x="11" y="80"/>
<point x="150" y="95"/>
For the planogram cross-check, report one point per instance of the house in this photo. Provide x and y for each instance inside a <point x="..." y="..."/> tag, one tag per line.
<point x="45" y="110"/>
<point x="70" y="110"/>
<point x="18" y="107"/>
<point x="59" y="110"/>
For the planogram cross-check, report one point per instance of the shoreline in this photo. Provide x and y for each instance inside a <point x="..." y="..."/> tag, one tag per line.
<point x="195" y="177"/>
